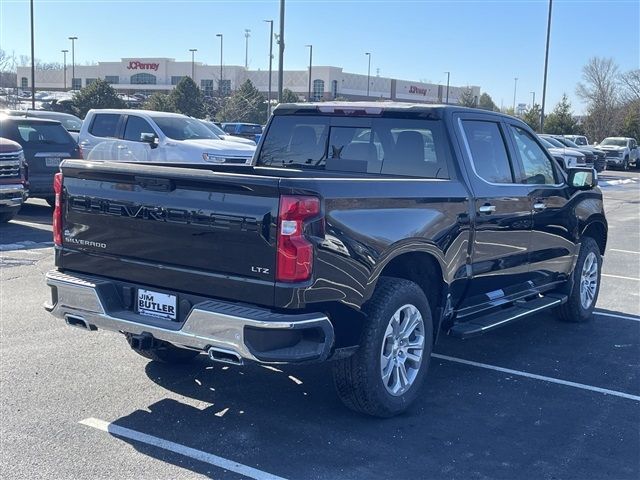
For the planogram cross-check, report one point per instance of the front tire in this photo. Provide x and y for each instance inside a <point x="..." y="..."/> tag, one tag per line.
<point x="385" y="375"/>
<point x="586" y="284"/>
<point x="165" y="352"/>
<point x="625" y="164"/>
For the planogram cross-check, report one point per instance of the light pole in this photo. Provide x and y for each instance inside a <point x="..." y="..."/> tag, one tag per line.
<point x="515" y="87"/>
<point x="247" y="34"/>
<point x="368" y="54"/>
<point x="33" y="65"/>
<point x="64" y="67"/>
<point x="73" y="60"/>
<point x="193" y="63"/>
<point x="281" y="53"/>
<point x="546" y="64"/>
<point x="533" y="99"/>
<point x="310" y="64"/>
<point x="220" y="82"/>
<point x="270" y="22"/>
<point x="448" y="77"/>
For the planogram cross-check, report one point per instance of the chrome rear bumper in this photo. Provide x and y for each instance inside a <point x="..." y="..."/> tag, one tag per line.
<point x="12" y="195"/>
<point x="247" y="332"/>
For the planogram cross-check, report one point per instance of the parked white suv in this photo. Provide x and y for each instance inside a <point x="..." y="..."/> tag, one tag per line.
<point x="148" y="136"/>
<point x="622" y="152"/>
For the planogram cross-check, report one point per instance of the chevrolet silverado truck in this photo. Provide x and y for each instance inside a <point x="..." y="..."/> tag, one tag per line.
<point x="14" y="186"/>
<point x="360" y="233"/>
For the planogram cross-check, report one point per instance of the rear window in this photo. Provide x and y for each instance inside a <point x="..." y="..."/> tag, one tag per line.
<point x="43" y="134"/>
<point x="254" y="129"/>
<point x="105" y="125"/>
<point x="388" y="146"/>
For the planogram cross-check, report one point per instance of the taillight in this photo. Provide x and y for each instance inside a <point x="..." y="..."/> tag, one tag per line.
<point x="295" y="253"/>
<point x="57" y="210"/>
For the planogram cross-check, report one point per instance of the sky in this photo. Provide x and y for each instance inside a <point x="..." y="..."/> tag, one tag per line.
<point x="484" y="43"/>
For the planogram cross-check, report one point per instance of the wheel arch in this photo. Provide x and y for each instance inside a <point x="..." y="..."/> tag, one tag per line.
<point x="425" y="269"/>
<point x="596" y="229"/>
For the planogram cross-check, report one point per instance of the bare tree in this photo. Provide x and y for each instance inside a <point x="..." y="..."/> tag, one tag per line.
<point x="466" y="98"/>
<point x="630" y="82"/>
<point x="600" y="90"/>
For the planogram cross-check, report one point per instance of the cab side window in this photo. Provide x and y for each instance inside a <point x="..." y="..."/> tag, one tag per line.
<point x="488" y="151"/>
<point x="105" y="125"/>
<point x="536" y="164"/>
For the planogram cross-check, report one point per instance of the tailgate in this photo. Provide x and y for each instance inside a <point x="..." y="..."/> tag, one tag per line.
<point x="175" y="229"/>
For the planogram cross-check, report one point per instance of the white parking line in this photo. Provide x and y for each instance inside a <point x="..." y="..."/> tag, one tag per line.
<point x="623" y="251"/>
<point x="538" y="377"/>
<point x="624" y="317"/>
<point x="620" y="276"/>
<point x="179" y="449"/>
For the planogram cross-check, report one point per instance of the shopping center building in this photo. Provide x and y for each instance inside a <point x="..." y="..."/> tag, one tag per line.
<point x="145" y="75"/>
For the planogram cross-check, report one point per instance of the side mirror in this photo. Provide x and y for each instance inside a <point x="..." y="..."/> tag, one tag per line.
<point x="150" y="138"/>
<point x="582" y="178"/>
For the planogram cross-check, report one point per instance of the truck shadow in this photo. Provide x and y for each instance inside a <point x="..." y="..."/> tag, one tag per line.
<point x="467" y="422"/>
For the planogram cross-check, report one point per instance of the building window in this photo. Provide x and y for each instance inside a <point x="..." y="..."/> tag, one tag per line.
<point x="76" y="83"/>
<point x="176" y="79"/>
<point x="112" y="79"/>
<point x="207" y="87"/>
<point x="143" y="79"/>
<point x="89" y="81"/>
<point x="334" y="88"/>
<point x="225" y="87"/>
<point x="318" y="90"/>
<point x="24" y="83"/>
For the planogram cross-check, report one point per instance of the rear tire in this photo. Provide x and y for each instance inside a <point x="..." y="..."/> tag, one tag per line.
<point x="165" y="352"/>
<point x="586" y="284"/>
<point x="384" y="376"/>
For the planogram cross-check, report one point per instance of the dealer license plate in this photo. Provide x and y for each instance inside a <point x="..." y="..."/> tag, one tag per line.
<point x="52" y="161"/>
<point x="156" y="304"/>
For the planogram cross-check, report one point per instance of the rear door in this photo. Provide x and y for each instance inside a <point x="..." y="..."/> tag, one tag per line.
<point x="553" y="248"/>
<point x="175" y="229"/>
<point x="100" y="142"/>
<point x="502" y="225"/>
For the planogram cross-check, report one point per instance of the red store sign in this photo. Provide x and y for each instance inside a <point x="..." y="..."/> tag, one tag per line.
<point x="137" y="65"/>
<point x="418" y="90"/>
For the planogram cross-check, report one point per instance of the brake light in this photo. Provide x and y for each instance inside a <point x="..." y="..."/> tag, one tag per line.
<point x="295" y="253"/>
<point x="57" y="210"/>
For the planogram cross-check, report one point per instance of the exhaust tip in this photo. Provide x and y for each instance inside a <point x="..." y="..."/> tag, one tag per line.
<point x="79" y="322"/>
<point x="224" y="356"/>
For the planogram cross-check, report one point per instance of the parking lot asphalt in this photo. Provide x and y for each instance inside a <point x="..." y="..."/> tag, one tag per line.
<point x="537" y="399"/>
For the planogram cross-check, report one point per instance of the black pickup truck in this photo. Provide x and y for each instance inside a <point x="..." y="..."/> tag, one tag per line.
<point x="360" y="233"/>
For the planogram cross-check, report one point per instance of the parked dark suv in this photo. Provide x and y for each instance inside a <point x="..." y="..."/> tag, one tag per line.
<point x="45" y="143"/>
<point x="13" y="179"/>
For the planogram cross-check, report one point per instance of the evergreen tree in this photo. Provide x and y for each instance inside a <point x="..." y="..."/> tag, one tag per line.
<point x="98" y="94"/>
<point x="159" y="102"/>
<point x="486" y="102"/>
<point x="187" y="98"/>
<point x="289" y="97"/>
<point x="532" y="117"/>
<point x="560" y="121"/>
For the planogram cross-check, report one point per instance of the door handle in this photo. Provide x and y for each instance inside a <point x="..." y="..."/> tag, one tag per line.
<point x="539" y="206"/>
<point x="121" y="147"/>
<point x="487" y="208"/>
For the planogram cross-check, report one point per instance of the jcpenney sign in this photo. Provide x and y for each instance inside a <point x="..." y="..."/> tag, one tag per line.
<point x="418" y="91"/>
<point x="136" y="65"/>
